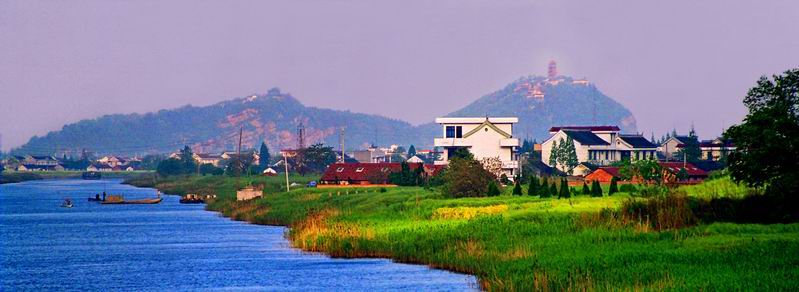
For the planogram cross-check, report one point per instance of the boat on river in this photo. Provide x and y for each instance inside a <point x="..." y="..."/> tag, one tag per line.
<point x="91" y="175"/>
<point x="119" y="200"/>
<point x="67" y="203"/>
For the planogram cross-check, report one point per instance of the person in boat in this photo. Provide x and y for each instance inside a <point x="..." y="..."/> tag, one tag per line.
<point x="103" y="196"/>
<point x="96" y="197"/>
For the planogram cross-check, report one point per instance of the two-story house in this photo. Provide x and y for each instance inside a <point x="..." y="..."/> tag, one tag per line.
<point x="484" y="137"/>
<point x="599" y="145"/>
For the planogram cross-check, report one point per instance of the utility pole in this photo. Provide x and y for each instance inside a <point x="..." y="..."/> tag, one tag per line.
<point x="286" y="164"/>
<point x="341" y="143"/>
<point x="238" y="161"/>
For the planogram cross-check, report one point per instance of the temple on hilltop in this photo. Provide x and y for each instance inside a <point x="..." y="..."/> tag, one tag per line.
<point x="552" y="71"/>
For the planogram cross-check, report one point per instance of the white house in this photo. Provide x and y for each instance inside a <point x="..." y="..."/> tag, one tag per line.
<point x="599" y="145"/>
<point x="485" y="137"/>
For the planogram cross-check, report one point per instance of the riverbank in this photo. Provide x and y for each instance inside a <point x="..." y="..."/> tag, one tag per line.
<point x="21" y="176"/>
<point x="516" y="243"/>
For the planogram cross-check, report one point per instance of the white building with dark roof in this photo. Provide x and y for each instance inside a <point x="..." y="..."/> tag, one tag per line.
<point x="484" y="137"/>
<point x="599" y="145"/>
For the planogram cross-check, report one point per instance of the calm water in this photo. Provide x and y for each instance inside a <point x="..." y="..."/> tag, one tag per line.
<point x="169" y="247"/>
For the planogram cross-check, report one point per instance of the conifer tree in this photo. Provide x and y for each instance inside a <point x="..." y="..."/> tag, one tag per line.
<point x="532" y="189"/>
<point x="564" y="189"/>
<point x="613" y="186"/>
<point x="596" y="189"/>
<point x="517" y="189"/>
<point x="586" y="190"/>
<point x="543" y="190"/>
<point x="553" y="154"/>
<point x="493" y="189"/>
<point x="553" y="189"/>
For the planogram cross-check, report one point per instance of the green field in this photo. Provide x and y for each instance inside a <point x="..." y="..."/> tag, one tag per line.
<point x="20" y="176"/>
<point x="518" y="243"/>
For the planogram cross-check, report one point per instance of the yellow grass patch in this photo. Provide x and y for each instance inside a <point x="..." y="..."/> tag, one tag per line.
<point x="468" y="212"/>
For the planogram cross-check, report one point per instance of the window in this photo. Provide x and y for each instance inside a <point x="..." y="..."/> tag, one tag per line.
<point x="340" y="169"/>
<point x="454" y="132"/>
<point x="359" y="169"/>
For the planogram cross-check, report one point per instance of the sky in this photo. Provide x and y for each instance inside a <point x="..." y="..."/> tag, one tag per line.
<point x="672" y="63"/>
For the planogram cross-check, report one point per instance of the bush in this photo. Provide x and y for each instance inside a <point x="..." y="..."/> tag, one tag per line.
<point x="517" y="189"/>
<point x="553" y="189"/>
<point x="532" y="189"/>
<point x="564" y="189"/>
<point x="613" y="187"/>
<point x="504" y="179"/>
<point x="596" y="189"/>
<point x="466" y="178"/>
<point x="493" y="189"/>
<point x="652" y="191"/>
<point x="543" y="190"/>
<point x="586" y="190"/>
<point x="383" y="190"/>
<point x="628" y="188"/>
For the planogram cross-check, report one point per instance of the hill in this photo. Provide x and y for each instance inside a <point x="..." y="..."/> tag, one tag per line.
<point x="274" y="117"/>
<point x="542" y="102"/>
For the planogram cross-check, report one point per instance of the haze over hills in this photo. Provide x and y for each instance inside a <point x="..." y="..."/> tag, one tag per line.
<point x="274" y="117"/>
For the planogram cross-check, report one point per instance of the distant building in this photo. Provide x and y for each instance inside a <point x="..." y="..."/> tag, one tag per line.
<point x="207" y="158"/>
<point x="415" y="159"/>
<point x="41" y="160"/>
<point x="670" y="171"/>
<point x="370" y="173"/>
<point x="36" y="167"/>
<point x="600" y="145"/>
<point x="669" y="147"/>
<point x="716" y="149"/>
<point x="484" y="137"/>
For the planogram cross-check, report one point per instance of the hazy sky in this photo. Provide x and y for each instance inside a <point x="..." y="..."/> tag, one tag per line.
<point x="670" y="62"/>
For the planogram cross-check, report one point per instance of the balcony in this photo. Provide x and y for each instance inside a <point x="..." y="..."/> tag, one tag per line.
<point x="510" y="142"/>
<point x="450" y="142"/>
<point x="510" y="164"/>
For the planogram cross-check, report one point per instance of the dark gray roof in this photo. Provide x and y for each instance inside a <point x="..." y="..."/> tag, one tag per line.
<point x="585" y="137"/>
<point x="637" y="141"/>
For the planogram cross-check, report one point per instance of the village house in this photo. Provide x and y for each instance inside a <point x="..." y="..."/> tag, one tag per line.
<point x="41" y="160"/>
<point x="599" y="145"/>
<point x="605" y="174"/>
<point x="113" y="161"/>
<point x="36" y="167"/>
<point x="716" y="149"/>
<point x="207" y="158"/>
<point x="370" y="173"/>
<point x="484" y="137"/>
<point x="668" y="148"/>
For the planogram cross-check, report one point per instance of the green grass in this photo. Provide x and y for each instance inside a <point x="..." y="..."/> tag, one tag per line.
<point x="519" y="243"/>
<point x="718" y="188"/>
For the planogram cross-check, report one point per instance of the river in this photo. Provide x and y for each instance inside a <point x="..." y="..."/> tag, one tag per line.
<point x="170" y="246"/>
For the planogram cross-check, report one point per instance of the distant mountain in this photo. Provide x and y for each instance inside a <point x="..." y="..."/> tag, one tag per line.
<point x="539" y="102"/>
<point x="273" y="117"/>
<point x="543" y="102"/>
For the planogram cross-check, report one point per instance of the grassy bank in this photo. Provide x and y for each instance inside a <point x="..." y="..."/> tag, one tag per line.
<point x="518" y="243"/>
<point x="20" y="176"/>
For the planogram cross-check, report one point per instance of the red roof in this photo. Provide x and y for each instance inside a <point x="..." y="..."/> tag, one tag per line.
<point x="362" y="171"/>
<point x="614" y="171"/>
<point x="676" y="166"/>
<point x="588" y="128"/>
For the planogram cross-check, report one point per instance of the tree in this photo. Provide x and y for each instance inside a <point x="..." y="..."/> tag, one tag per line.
<point x="527" y="147"/>
<point x="187" y="160"/>
<point x="504" y="179"/>
<point x="569" y="155"/>
<point x="411" y="151"/>
<point x="170" y="167"/>
<point x="613" y="186"/>
<point x="543" y="190"/>
<point x="494" y="166"/>
<point x="532" y="188"/>
<point x="767" y="141"/>
<point x="647" y="170"/>
<point x="553" y="189"/>
<point x="517" y="189"/>
<point x="406" y="176"/>
<point x="210" y="169"/>
<point x="586" y="190"/>
<point x="564" y="189"/>
<point x="264" y="156"/>
<point x="690" y="150"/>
<point x="553" y="154"/>
<point x="462" y="152"/>
<point x="682" y="174"/>
<point x="465" y="177"/>
<point x="596" y="189"/>
<point x="314" y="158"/>
<point x="493" y="189"/>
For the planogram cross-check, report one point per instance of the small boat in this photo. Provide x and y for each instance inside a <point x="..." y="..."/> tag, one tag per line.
<point x="91" y="175"/>
<point x="67" y="203"/>
<point x="119" y="200"/>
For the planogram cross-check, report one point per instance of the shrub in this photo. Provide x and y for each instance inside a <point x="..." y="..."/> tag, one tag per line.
<point x="532" y="189"/>
<point x="596" y="189"/>
<point x="652" y="191"/>
<point x="564" y="189"/>
<point x="466" y="178"/>
<point x="613" y="187"/>
<point x="383" y="190"/>
<point x="517" y="189"/>
<point x="586" y="190"/>
<point x="628" y="188"/>
<point x="543" y="191"/>
<point x="504" y="179"/>
<point x="493" y="189"/>
<point x="553" y="189"/>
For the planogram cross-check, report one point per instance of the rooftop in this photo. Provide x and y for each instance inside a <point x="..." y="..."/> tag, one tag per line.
<point x="477" y="120"/>
<point x="586" y="128"/>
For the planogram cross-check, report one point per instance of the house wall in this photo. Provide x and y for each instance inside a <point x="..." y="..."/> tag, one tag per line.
<point x="484" y="143"/>
<point x="669" y="148"/>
